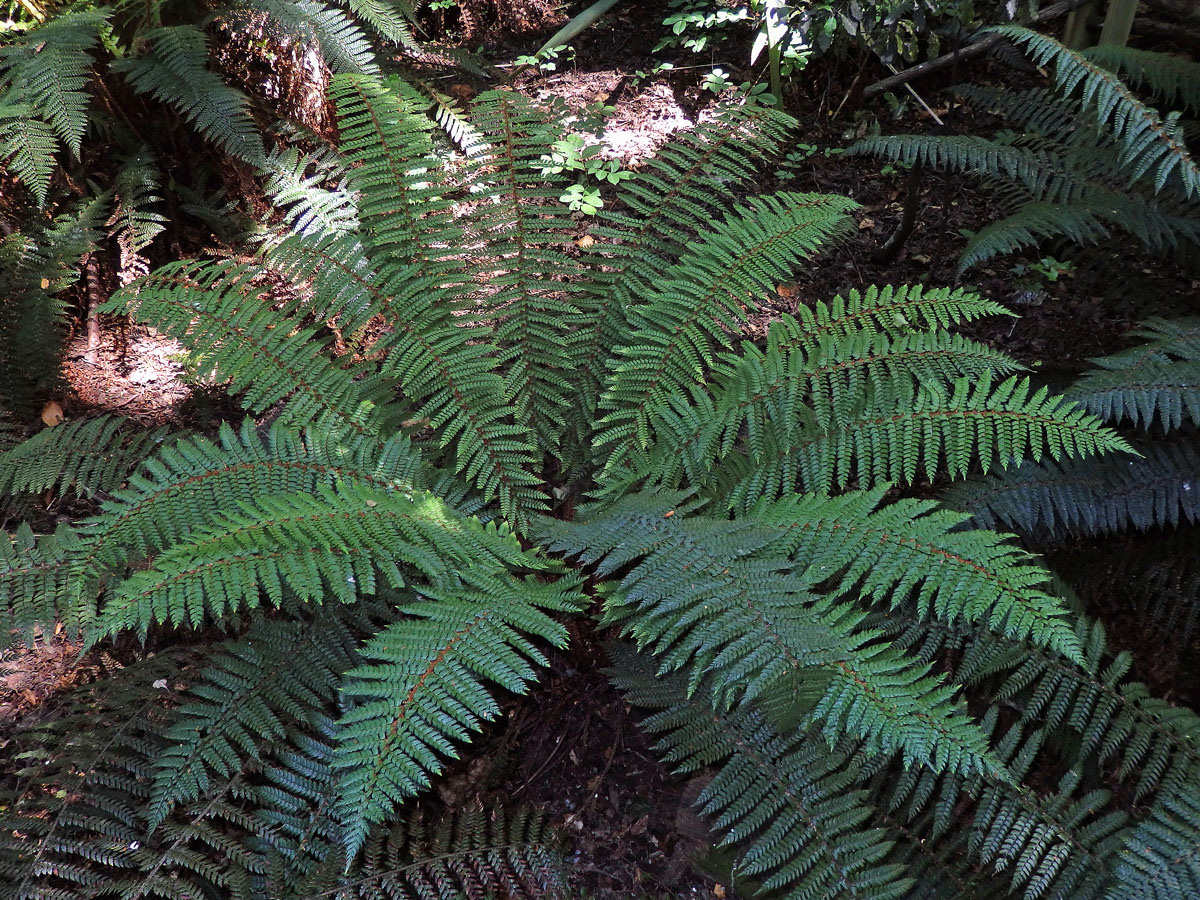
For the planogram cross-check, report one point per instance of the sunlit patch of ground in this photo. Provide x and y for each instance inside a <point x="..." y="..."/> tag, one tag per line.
<point x="138" y="374"/>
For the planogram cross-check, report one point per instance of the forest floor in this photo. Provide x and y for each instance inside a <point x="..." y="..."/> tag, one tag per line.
<point x="574" y="749"/>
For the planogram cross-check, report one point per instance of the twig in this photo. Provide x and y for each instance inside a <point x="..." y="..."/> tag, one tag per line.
<point x="980" y="46"/>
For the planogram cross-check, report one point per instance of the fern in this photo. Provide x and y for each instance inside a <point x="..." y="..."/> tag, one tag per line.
<point x="88" y="457"/>
<point x="507" y="430"/>
<point x="1090" y="159"/>
<point x="175" y="71"/>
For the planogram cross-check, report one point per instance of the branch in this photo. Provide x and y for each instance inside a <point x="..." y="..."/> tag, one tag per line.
<point x="969" y="51"/>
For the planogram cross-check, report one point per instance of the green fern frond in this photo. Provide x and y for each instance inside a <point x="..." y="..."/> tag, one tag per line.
<point x="48" y="68"/>
<point x="1029" y="225"/>
<point x="391" y="19"/>
<point x="676" y="329"/>
<point x="724" y="600"/>
<point x="894" y="427"/>
<point x="27" y="148"/>
<point x="1095" y="496"/>
<point x="337" y="544"/>
<point x="279" y="675"/>
<point x="474" y="853"/>
<point x="759" y="395"/>
<point x="1147" y="144"/>
<point x="135" y="221"/>
<point x="37" y="583"/>
<point x="1158" y="379"/>
<point x="343" y="45"/>
<point x="309" y="206"/>
<point x="912" y="551"/>
<point x="86" y="457"/>
<point x="1161" y="858"/>
<point x="176" y="72"/>
<point x="422" y="690"/>
<point x="793" y="801"/>
<point x="521" y="234"/>
<point x="683" y="188"/>
<point x="214" y="309"/>
<point x="1172" y="80"/>
<point x="188" y="483"/>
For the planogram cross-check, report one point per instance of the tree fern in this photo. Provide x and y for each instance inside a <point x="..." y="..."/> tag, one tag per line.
<point x="506" y="431"/>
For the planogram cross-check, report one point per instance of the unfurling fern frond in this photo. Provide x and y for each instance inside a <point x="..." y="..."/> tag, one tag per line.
<point x="422" y="690"/>
<point x="87" y="457"/>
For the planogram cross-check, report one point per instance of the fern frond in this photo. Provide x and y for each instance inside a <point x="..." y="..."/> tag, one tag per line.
<point x="343" y="45"/>
<point x="758" y="395"/>
<point x="1157" y="379"/>
<point x="135" y="222"/>
<point x="1083" y="223"/>
<point x="188" y="483"/>
<point x="1172" y="80"/>
<point x="473" y="853"/>
<point x="1161" y="858"/>
<point x="675" y="329"/>
<point x="1096" y="496"/>
<point x="87" y="457"/>
<point x="912" y="551"/>
<point x="391" y="19"/>
<point x="277" y="676"/>
<point x="48" y="68"/>
<point x="1147" y="144"/>
<point x="27" y="148"/>
<point x="792" y="800"/>
<point x="175" y="71"/>
<point x="214" y="309"/>
<point x="36" y="583"/>
<point x="683" y="188"/>
<point x="309" y="206"/>
<point x="723" y="599"/>
<point x="422" y="689"/>
<point x="337" y="544"/>
<point x="522" y="232"/>
<point x="893" y="427"/>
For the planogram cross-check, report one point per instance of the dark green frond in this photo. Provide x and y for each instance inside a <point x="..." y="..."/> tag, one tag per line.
<point x="214" y="308"/>
<point x="1083" y="223"/>
<point x="37" y="582"/>
<point x="48" y="67"/>
<point x="912" y="551"/>
<point x="176" y="72"/>
<point x="792" y="802"/>
<point x="1157" y="379"/>
<point x="86" y="457"/>
<point x="886" y="433"/>
<point x="278" y="676"/>
<point x="27" y="147"/>
<point x="683" y="188"/>
<point x="676" y="329"/>
<point x="422" y="690"/>
<point x="334" y="545"/>
<point x="1161" y="858"/>
<point x="475" y="853"/>
<point x="343" y="45"/>
<point x="725" y="600"/>
<point x="1172" y="80"/>
<point x="1088" y="497"/>
<point x="1148" y="146"/>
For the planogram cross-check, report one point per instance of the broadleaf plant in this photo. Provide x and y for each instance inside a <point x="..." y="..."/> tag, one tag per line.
<point x="530" y="434"/>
